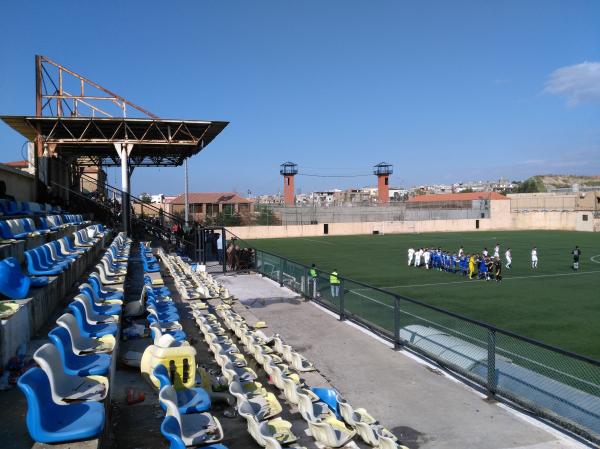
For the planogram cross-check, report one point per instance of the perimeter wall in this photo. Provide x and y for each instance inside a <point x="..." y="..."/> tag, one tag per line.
<point x="501" y="218"/>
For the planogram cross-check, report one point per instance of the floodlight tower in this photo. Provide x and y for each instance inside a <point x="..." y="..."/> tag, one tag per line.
<point x="383" y="170"/>
<point x="288" y="171"/>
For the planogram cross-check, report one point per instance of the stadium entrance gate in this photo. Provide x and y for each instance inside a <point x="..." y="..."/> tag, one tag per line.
<point x="209" y="253"/>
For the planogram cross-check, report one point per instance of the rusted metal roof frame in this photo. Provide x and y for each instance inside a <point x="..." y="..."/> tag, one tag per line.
<point x="156" y="142"/>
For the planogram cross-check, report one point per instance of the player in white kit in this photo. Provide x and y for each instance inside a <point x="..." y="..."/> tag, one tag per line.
<point x="497" y="251"/>
<point x="534" y="258"/>
<point x="508" y="257"/>
<point x="427" y="257"/>
<point x="411" y="253"/>
<point x="418" y="255"/>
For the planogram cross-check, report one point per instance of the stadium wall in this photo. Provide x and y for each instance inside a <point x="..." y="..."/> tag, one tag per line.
<point x="501" y="218"/>
<point x="19" y="184"/>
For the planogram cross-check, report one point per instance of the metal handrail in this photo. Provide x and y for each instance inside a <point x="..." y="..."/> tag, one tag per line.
<point x="138" y="200"/>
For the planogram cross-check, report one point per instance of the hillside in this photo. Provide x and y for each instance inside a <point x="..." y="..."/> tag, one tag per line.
<point x="566" y="181"/>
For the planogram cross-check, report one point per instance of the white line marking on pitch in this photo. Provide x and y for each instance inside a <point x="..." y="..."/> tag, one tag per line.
<point x="317" y="241"/>
<point x="503" y="279"/>
<point x="595" y="259"/>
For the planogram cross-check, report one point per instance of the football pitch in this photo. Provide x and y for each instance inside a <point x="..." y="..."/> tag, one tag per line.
<point x="552" y="303"/>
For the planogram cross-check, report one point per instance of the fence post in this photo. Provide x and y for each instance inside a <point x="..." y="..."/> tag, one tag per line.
<point x="281" y="270"/>
<point x="262" y="263"/>
<point x="491" y="363"/>
<point x="306" y="283"/>
<point x="397" y="341"/>
<point x="342" y="314"/>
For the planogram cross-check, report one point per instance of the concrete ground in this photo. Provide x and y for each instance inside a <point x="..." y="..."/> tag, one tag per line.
<point x="422" y="405"/>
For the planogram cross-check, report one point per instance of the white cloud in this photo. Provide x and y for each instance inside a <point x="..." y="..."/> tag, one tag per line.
<point x="579" y="83"/>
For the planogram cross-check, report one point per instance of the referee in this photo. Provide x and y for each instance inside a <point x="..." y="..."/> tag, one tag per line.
<point x="576" y="254"/>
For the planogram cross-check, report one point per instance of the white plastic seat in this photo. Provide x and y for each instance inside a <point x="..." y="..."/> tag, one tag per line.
<point x="231" y="373"/>
<point x="389" y="443"/>
<point x="264" y="404"/>
<point x="312" y="411"/>
<point x="279" y="372"/>
<point x="291" y="389"/>
<point x="106" y="279"/>
<point x="196" y="428"/>
<point x="351" y="415"/>
<point x="300" y="363"/>
<point x="371" y="433"/>
<point x="329" y="433"/>
<point x="277" y="344"/>
<point x="287" y="353"/>
<point x="66" y="388"/>
<point x="81" y="344"/>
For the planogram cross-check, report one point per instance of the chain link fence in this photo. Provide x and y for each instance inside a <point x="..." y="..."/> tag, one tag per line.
<point x="555" y="384"/>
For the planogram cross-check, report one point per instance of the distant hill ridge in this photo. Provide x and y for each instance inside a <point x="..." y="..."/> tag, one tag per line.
<point x="566" y="181"/>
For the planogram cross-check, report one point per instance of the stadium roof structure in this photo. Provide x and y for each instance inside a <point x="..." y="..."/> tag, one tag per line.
<point x="87" y="125"/>
<point x="211" y="197"/>
<point x="90" y="141"/>
<point x="466" y="196"/>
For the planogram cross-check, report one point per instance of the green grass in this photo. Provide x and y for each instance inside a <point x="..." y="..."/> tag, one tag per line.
<point x="550" y="304"/>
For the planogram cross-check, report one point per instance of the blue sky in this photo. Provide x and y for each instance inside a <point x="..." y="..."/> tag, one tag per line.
<point x="446" y="91"/>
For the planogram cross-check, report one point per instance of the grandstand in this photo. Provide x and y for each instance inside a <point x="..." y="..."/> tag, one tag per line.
<point x="118" y="332"/>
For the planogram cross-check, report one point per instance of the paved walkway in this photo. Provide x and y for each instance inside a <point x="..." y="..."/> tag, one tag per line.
<point x="426" y="408"/>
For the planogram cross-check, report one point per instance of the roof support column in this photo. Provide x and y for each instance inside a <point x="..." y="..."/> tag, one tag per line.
<point x="124" y="150"/>
<point x="187" y="204"/>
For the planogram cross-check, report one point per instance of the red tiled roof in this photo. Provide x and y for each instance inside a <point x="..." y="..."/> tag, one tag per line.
<point x="211" y="197"/>
<point x="468" y="196"/>
<point x="17" y="164"/>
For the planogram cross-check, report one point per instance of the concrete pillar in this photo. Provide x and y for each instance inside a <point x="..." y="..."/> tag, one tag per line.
<point x="124" y="150"/>
<point x="186" y="201"/>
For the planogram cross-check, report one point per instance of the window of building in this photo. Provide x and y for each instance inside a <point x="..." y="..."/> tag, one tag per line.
<point x="584" y="217"/>
<point x="212" y="209"/>
<point x="243" y="207"/>
<point x="228" y="209"/>
<point x="196" y="208"/>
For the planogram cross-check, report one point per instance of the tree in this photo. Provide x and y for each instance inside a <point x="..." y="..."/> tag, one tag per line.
<point x="267" y="217"/>
<point x="145" y="198"/>
<point x="531" y="185"/>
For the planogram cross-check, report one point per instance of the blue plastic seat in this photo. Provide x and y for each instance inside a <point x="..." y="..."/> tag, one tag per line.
<point x="13" y="229"/>
<point x="78" y="365"/>
<point x="14" y="208"/>
<point x="48" y="422"/>
<point x="46" y="258"/>
<point x="58" y="250"/>
<point x="189" y="400"/>
<point x="103" y="309"/>
<point x="34" y="267"/>
<point x="13" y="283"/>
<point x="172" y="432"/>
<point x="47" y="223"/>
<point x="72" y="248"/>
<point x="53" y="260"/>
<point x="87" y="329"/>
<point x="150" y="268"/>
